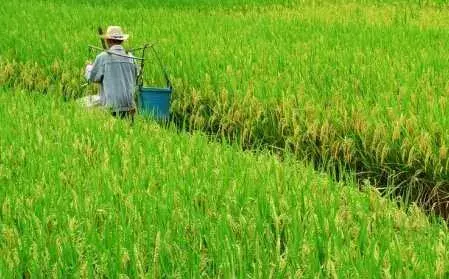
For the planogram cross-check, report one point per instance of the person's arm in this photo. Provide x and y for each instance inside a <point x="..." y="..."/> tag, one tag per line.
<point x="94" y="72"/>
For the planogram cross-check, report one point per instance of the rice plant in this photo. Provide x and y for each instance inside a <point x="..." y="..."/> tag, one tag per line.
<point x="84" y="195"/>
<point x="358" y="85"/>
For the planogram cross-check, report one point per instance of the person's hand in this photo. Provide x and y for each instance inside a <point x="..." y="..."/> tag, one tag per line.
<point x="88" y="70"/>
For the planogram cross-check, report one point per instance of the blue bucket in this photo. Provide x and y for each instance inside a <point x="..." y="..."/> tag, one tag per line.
<point x="155" y="102"/>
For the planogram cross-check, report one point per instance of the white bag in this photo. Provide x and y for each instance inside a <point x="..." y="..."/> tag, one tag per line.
<point x="90" y="101"/>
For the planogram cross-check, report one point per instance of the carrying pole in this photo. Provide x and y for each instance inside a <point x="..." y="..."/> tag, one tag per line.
<point x="115" y="53"/>
<point x="103" y="41"/>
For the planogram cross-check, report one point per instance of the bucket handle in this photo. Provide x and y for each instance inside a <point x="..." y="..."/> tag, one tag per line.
<point x="164" y="70"/>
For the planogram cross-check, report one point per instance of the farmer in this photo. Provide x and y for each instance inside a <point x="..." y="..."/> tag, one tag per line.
<point x="116" y="73"/>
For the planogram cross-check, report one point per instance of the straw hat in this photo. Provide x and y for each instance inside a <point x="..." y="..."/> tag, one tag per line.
<point x="115" y="33"/>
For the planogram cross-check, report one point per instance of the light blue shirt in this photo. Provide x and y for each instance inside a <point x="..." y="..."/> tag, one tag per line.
<point x="117" y="74"/>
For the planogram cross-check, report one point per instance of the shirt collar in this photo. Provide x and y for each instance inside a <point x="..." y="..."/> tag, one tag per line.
<point x="117" y="47"/>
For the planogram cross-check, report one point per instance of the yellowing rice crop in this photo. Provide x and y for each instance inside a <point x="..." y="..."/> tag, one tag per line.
<point x="357" y="85"/>
<point x="350" y="87"/>
<point x="85" y="195"/>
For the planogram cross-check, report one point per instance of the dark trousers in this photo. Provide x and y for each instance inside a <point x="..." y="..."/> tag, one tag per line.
<point x="125" y="114"/>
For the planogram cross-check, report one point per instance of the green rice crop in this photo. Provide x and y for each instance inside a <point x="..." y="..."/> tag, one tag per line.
<point x="84" y="195"/>
<point x="357" y="84"/>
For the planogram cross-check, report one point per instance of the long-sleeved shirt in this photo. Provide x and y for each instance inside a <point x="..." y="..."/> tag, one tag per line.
<point x="117" y="77"/>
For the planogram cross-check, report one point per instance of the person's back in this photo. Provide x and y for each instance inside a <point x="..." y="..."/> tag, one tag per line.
<point x="117" y="74"/>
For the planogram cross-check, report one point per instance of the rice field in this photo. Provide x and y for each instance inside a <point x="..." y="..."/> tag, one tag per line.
<point x="84" y="195"/>
<point x="357" y="89"/>
<point x="358" y="85"/>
